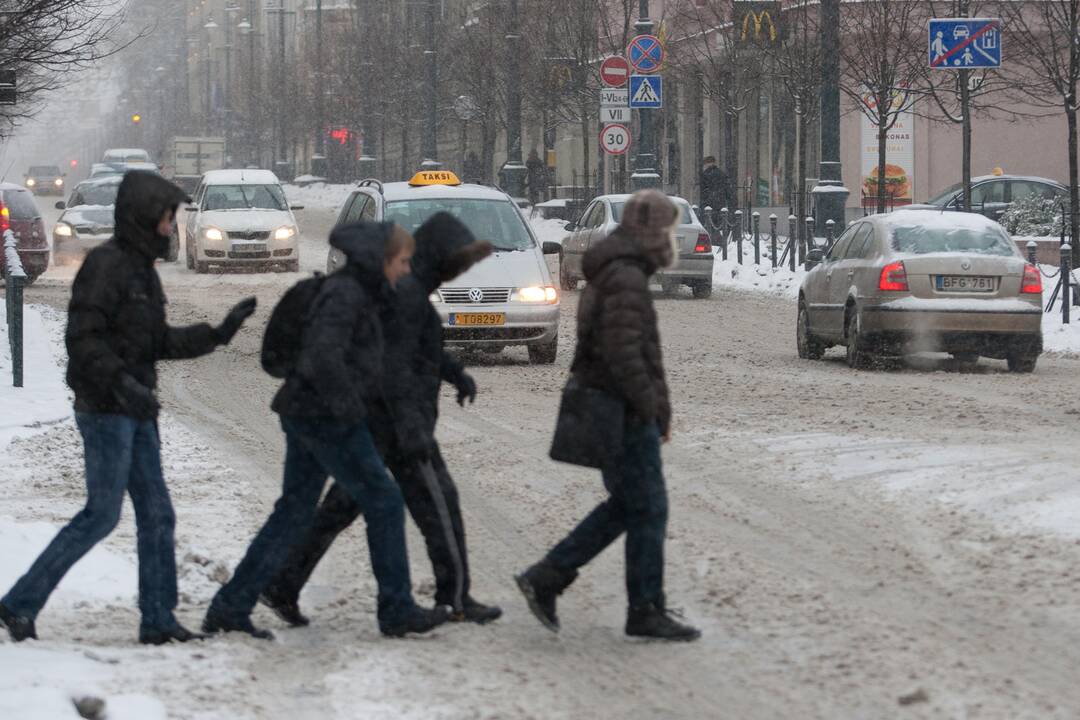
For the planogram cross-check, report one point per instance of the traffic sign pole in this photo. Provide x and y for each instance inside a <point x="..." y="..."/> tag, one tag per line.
<point x="645" y="57"/>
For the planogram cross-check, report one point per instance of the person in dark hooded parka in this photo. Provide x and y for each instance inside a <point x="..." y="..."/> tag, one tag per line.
<point x="327" y="407"/>
<point x="416" y="365"/>
<point x="116" y="333"/>
<point x="618" y="352"/>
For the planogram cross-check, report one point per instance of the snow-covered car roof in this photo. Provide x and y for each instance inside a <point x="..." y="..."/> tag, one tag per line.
<point x="6" y="186"/>
<point x="936" y="219"/>
<point x="396" y="191"/>
<point x="102" y="180"/>
<point x="240" y="177"/>
<point x="623" y="197"/>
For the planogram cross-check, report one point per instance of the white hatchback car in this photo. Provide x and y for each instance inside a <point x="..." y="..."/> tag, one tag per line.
<point x="240" y="218"/>
<point x="505" y="300"/>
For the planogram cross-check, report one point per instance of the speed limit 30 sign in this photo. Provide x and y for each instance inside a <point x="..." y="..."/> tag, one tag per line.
<point x="615" y="139"/>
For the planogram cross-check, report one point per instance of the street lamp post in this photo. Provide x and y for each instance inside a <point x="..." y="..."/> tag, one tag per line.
<point x="318" y="162"/>
<point x="245" y="27"/>
<point x="210" y="26"/>
<point x="830" y="195"/>
<point x="645" y="172"/>
<point x="430" y="143"/>
<point x="282" y="161"/>
<point x="513" y="172"/>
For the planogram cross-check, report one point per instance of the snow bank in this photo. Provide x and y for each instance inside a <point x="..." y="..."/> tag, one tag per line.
<point x="44" y="398"/>
<point x="327" y="196"/>
<point x="756" y="278"/>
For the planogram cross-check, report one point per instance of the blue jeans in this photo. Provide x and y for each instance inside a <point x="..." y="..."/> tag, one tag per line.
<point x="637" y="506"/>
<point x="316" y="449"/>
<point x="122" y="454"/>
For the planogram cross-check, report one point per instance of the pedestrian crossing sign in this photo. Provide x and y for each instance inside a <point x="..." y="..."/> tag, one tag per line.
<point x="646" y="91"/>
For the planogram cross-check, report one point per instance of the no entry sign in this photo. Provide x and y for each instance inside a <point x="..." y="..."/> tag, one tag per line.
<point x="615" y="139"/>
<point x="615" y="71"/>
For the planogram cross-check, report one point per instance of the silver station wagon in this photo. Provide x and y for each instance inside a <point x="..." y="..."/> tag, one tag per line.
<point x="922" y="281"/>
<point x="507" y="299"/>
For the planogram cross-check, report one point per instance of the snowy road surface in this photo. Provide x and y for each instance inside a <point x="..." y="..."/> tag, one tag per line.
<point x="900" y="543"/>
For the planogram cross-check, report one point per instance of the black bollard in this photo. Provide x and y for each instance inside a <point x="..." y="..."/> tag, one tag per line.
<point x="792" y="239"/>
<point x="1033" y="250"/>
<point x="1066" y="281"/>
<point x="725" y="229"/>
<point x="757" y="237"/>
<point x="830" y="234"/>
<point x="811" y="243"/>
<point x="737" y="234"/>
<point x="772" y="237"/>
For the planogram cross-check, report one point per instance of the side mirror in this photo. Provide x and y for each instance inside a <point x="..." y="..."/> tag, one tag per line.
<point x="296" y="207"/>
<point x="569" y="226"/>
<point x="60" y="205"/>
<point x="814" y="258"/>
<point x="552" y="248"/>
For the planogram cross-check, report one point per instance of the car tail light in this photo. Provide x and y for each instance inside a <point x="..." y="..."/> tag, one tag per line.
<point x="704" y="244"/>
<point x="893" y="277"/>
<point x="5" y="218"/>
<point x="1032" y="280"/>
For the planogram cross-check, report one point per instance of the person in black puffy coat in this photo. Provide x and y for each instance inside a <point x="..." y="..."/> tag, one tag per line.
<point x="619" y="352"/>
<point x="415" y="367"/>
<point x="116" y="333"/>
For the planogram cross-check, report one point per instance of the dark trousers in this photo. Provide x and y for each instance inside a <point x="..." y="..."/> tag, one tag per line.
<point x="432" y="500"/>
<point x="122" y="455"/>
<point x="315" y="450"/>
<point x="637" y="506"/>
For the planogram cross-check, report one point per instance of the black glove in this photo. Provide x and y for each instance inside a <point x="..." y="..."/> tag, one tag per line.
<point x="466" y="389"/>
<point x="236" y="317"/>
<point x="135" y="398"/>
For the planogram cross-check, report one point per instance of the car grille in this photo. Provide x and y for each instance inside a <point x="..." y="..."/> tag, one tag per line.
<point x="249" y="255"/>
<point x="475" y="296"/>
<point x="93" y="229"/>
<point x="252" y="235"/>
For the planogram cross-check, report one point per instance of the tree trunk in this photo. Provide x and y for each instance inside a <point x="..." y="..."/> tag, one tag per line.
<point x="586" y="143"/>
<point x="882" y="145"/>
<point x="800" y="190"/>
<point x="965" y="110"/>
<point x="1074" y="171"/>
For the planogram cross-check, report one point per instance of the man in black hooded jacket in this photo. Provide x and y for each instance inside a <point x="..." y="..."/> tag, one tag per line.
<point x="416" y="365"/>
<point x="116" y="333"/>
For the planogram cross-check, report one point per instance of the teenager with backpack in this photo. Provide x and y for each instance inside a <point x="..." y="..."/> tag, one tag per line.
<point x="116" y="333"/>
<point x="404" y="429"/>
<point x="333" y="379"/>
<point x="617" y="378"/>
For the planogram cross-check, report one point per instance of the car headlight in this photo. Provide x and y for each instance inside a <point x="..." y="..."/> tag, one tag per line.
<point x="435" y="297"/>
<point x="537" y="294"/>
<point x="31" y="182"/>
<point x="63" y="230"/>
<point x="213" y="234"/>
<point x="284" y="233"/>
<point x="59" y="182"/>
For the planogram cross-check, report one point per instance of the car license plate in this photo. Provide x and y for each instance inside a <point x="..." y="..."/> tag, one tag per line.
<point x="248" y="248"/>
<point x="965" y="283"/>
<point x="478" y="319"/>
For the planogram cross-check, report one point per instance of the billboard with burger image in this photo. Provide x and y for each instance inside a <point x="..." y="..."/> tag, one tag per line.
<point x="899" y="186"/>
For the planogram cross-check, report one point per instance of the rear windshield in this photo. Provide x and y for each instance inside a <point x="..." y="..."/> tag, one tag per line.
<point x="945" y="195"/>
<point x="244" y="197"/>
<point x="20" y="205"/>
<point x="684" y="211"/>
<point x="48" y="170"/>
<point x="497" y="221"/>
<point x="94" y="194"/>
<point x="920" y="240"/>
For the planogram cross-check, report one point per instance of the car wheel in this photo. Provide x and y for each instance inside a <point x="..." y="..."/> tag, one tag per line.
<point x="292" y="266"/>
<point x="966" y="361"/>
<point x="809" y="346"/>
<point x="669" y="287"/>
<point x="174" y="250"/>
<point x="202" y="267"/>
<point x="703" y="291"/>
<point x="544" y="354"/>
<point x="567" y="281"/>
<point x="858" y="357"/>
<point x="190" y="260"/>
<point x="1022" y="362"/>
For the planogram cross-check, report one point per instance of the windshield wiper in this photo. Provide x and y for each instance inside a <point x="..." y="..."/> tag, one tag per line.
<point x="499" y="248"/>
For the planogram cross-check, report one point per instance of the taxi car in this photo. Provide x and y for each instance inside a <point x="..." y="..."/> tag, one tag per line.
<point x="506" y="300"/>
<point x="922" y="281"/>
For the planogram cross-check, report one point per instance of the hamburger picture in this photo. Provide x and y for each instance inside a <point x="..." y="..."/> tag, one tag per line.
<point x="897" y="186"/>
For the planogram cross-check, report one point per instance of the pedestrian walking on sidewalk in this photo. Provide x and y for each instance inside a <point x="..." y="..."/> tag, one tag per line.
<point x="404" y="429"/>
<point x="116" y="333"/>
<point x="619" y="366"/>
<point x="326" y="412"/>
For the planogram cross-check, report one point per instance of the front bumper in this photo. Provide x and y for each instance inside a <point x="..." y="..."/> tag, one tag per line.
<point x="525" y="325"/>
<point x="995" y="331"/>
<point x="690" y="270"/>
<point x="226" y="253"/>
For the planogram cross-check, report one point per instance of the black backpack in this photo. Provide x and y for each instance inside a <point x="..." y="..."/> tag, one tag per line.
<point x="281" y="341"/>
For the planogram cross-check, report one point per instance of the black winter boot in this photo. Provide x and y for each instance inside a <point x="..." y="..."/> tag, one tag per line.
<point x="215" y="623"/>
<point x="288" y="609"/>
<point x="417" y="620"/>
<point x="19" y="627"/>
<point x="475" y="612"/>
<point x="541" y="585"/>
<point x="653" y="621"/>
<point x="178" y="633"/>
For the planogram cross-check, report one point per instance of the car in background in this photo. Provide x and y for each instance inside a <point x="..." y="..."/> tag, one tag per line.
<point x="87" y="220"/>
<point x="98" y="170"/>
<point x="45" y="180"/>
<point x="125" y="155"/>
<point x="240" y="218"/>
<point x="19" y="213"/>
<point x="922" y="281"/>
<point x="505" y="300"/>
<point x="693" y="266"/>
<point x="992" y="195"/>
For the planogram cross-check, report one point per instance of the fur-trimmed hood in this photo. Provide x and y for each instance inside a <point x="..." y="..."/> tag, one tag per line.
<point x="445" y="248"/>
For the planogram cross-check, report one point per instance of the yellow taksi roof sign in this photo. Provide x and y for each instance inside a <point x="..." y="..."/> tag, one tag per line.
<point x="434" y="177"/>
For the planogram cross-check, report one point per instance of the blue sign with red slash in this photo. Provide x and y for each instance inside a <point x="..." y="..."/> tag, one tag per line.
<point x="645" y="53"/>
<point x="965" y="43"/>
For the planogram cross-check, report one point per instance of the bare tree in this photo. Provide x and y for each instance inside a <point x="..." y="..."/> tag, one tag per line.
<point x="1050" y="62"/>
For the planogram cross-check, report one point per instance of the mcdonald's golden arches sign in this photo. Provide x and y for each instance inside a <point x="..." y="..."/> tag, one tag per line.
<point x="758" y="22"/>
